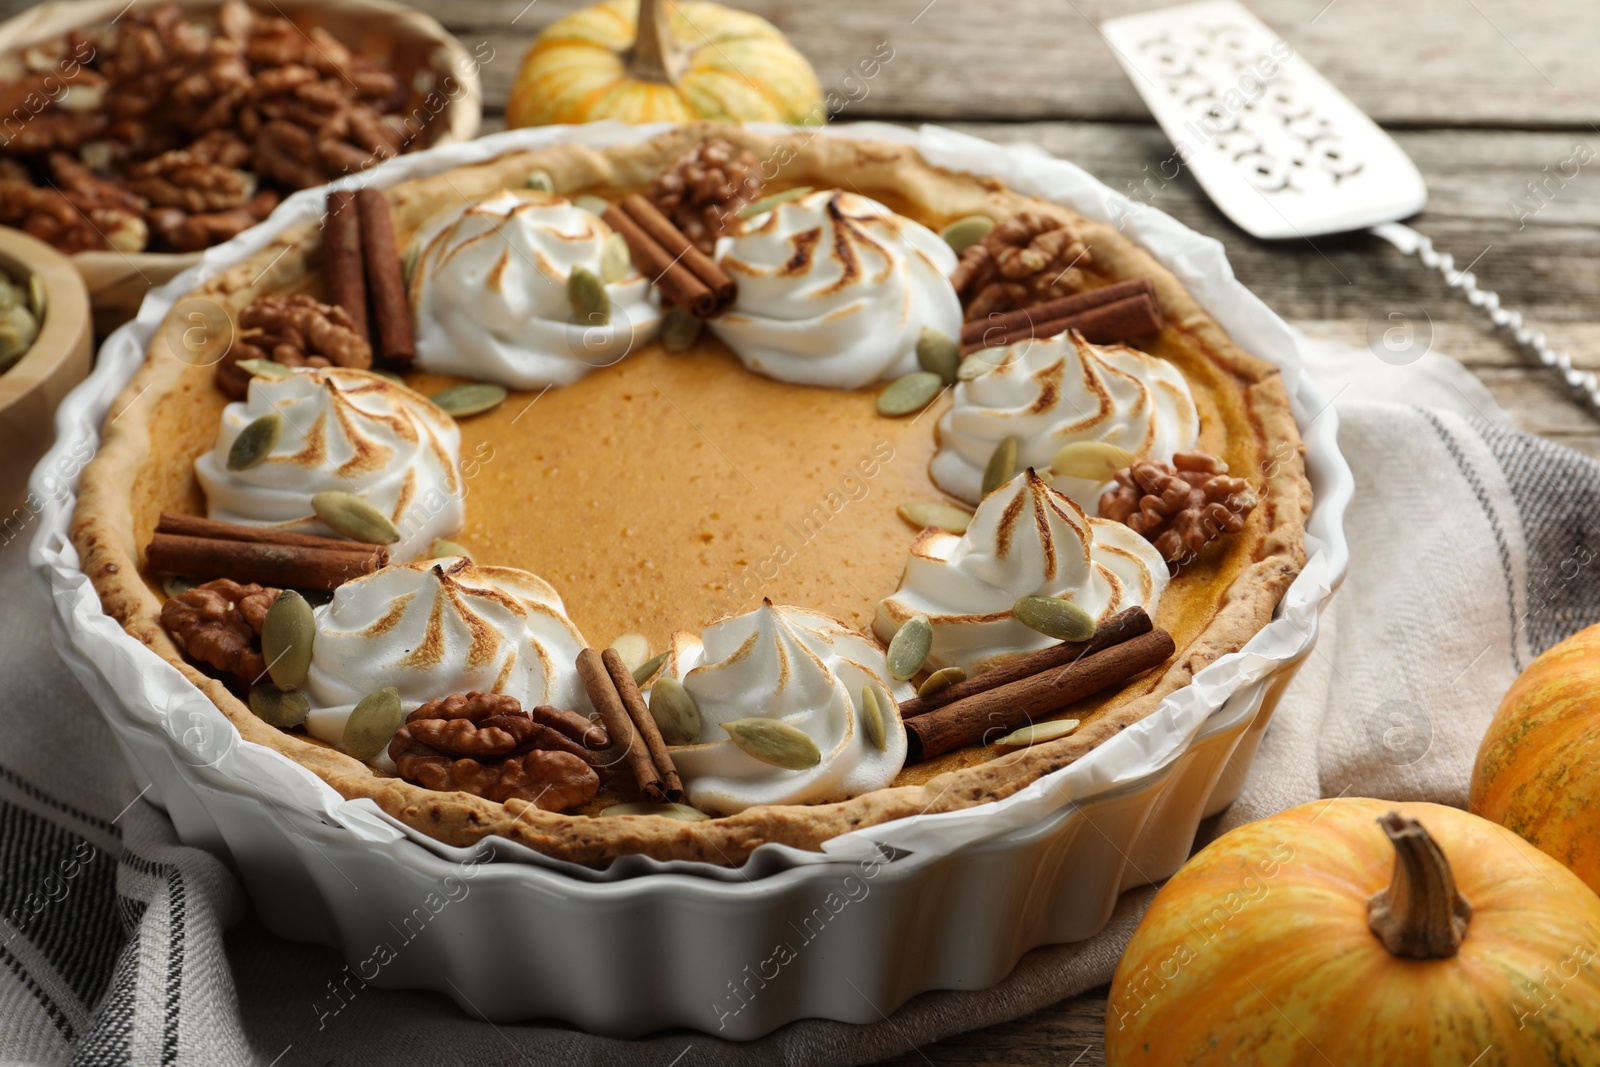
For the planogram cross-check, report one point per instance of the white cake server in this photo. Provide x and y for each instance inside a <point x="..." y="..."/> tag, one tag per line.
<point x="1282" y="152"/>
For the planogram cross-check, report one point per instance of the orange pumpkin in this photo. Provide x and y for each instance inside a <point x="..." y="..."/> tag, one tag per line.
<point x="654" y="62"/>
<point x="1538" y="769"/>
<point x="1363" y="933"/>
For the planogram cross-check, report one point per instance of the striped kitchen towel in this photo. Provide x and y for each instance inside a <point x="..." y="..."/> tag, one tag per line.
<point x="111" y="945"/>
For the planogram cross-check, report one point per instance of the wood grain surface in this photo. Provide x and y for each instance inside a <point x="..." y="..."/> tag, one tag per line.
<point x="1483" y="94"/>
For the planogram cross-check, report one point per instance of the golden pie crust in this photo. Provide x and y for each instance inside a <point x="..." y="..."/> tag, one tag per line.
<point x="168" y="415"/>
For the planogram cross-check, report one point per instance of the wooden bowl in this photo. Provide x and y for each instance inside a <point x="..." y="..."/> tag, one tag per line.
<point x="412" y="44"/>
<point x="35" y="384"/>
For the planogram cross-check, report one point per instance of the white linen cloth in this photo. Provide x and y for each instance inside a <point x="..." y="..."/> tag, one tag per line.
<point x="1471" y="546"/>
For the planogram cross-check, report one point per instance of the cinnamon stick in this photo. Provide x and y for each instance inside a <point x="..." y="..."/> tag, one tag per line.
<point x="986" y="716"/>
<point x="1137" y="316"/>
<point x="1059" y="308"/>
<point x="385" y="279"/>
<point x="664" y="233"/>
<point x="292" y="566"/>
<point x="1123" y="626"/>
<point x="341" y="258"/>
<point x="608" y="702"/>
<point x="685" y="275"/>
<point x="1116" y="323"/>
<point x="644" y="722"/>
<point x="675" y="280"/>
<point x="195" y="526"/>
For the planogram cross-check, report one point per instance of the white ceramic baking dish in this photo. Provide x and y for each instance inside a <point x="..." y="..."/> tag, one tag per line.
<point x="946" y="901"/>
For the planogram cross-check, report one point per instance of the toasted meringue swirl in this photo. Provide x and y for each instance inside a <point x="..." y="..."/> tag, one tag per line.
<point x="802" y="668"/>
<point x="438" y="627"/>
<point x="834" y="290"/>
<point x="342" y="429"/>
<point x="1027" y="539"/>
<point x="1049" y="392"/>
<point x="489" y="291"/>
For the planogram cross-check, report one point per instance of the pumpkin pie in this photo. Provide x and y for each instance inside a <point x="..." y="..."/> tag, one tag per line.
<point x="724" y="500"/>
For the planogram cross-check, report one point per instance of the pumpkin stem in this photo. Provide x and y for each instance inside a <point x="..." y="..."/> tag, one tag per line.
<point x="655" y="55"/>
<point x="1420" y="914"/>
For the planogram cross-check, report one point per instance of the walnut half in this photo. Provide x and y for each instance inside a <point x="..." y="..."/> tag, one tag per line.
<point x="705" y="188"/>
<point x="296" y="331"/>
<point x="220" y="623"/>
<point x="1179" y="507"/>
<point x="486" y="745"/>
<point x="1026" y="260"/>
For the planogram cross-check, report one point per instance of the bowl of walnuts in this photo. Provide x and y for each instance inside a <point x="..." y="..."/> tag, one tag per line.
<point x="135" y="136"/>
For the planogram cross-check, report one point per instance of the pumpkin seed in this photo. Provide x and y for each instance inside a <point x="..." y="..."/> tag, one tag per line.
<point x="443" y="547"/>
<point x="682" y="812"/>
<point x="175" y="585"/>
<point x="350" y="516"/>
<point x="908" y="649"/>
<point x="616" y="262"/>
<point x="943" y="678"/>
<point x="264" y="368"/>
<point x="591" y="306"/>
<point x="676" y="714"/>
<point x="594" y="205"/>
<point x="471" y="398"/>
<point x="255" y="442"/>
<point x="36" y="297"/>
<point x="540" y="181"/>
<point x="980" y="363"/>
<point x="767" y="203"/>
<point x="1039" y="732"/>
<point x="647" y="670"/>
<point x="287" y="636"/>
<point x="18" y="329"/>
<point x="775" y="743"/>
<point x="1096" y="461"/>
<point x="872" y="719"/>
<point x="1002" y="465"/>
<point x="679" y="329"/>
<point x="938" y="354"/>
<point x="633" y="648"/>
<point x="276" y="708"/>
<point x="963" y="233"/>
<point x="1054" y="617"/>
<point x="923" y="514"/>
<point x="372" y="723"/>
<point x="912" y="393"/>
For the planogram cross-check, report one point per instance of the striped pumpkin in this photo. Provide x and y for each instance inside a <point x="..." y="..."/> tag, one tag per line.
<point x="1538" y="769"/>
<point x="1359" y="933"/>
<point x="692" y="60"/>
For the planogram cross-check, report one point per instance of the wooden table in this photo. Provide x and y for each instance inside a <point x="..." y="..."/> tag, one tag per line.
<point x="1483" y="94"/>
